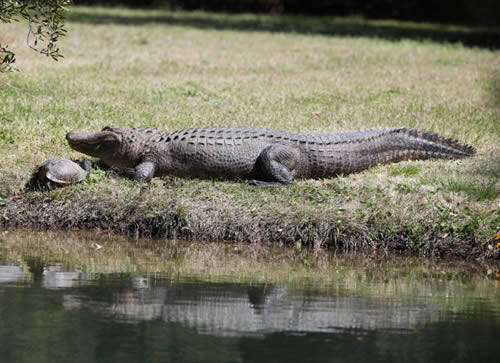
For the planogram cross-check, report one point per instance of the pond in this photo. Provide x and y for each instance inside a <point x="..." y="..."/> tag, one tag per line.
<point x="99" y="298"/>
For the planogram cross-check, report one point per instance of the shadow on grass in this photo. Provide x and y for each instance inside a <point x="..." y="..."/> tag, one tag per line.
<point x="334" y="26"/>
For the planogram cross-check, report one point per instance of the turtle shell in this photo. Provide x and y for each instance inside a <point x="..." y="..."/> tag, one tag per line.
<point x="59" y="171"/>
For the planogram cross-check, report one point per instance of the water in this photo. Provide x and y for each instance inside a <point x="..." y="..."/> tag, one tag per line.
<point x="62" y="312"/>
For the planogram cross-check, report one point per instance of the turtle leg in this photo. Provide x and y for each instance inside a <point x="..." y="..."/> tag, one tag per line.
<point x="274" y="166"/>
<point x="86" y="165"/>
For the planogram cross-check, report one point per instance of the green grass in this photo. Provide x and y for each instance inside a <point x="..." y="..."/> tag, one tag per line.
<point x="407" y="170"/>
<point x="176" y="70"/>
<point x="480" y="192"/>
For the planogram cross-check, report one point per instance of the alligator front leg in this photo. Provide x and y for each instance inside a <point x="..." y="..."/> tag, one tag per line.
<point x="274" y="166"/>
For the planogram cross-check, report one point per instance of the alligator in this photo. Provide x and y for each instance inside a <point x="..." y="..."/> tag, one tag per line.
<point x="266" y="157"/>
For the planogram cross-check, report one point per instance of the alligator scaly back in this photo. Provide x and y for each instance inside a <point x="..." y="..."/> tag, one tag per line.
<point x="267" y="157"/>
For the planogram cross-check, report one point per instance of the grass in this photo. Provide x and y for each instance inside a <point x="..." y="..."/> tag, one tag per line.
<point x="176" y="70"/>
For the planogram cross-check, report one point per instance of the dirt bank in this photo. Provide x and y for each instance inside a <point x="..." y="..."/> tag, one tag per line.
<point x="215" y="211"/>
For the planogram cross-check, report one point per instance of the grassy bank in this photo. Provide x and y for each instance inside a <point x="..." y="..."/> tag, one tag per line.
<point x="180" y="70"/>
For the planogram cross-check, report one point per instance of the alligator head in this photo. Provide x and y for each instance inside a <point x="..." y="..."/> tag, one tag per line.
<point x="107" y="145"/>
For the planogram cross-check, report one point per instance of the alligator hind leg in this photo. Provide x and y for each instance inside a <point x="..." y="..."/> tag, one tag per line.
<point x="274" y="166"/>
<point x="143" y="171"/>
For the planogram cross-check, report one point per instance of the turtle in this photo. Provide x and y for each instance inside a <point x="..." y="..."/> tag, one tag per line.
<point x="59" y="172"/>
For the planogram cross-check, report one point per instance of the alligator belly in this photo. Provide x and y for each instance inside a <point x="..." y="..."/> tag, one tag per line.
<point x="208" y="162"/>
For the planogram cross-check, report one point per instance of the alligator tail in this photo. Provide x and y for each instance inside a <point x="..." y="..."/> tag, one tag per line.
<point x="398" y="144"/>
<point x="420" y="144"/>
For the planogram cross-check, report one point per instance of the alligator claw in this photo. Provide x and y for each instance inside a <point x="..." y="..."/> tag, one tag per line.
<point x="264" y="184"/>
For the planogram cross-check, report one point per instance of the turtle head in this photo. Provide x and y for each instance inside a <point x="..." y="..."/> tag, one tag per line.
<point x="106" y="144"/>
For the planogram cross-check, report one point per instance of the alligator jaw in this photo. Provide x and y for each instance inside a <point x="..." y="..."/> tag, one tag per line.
<point x="97" y="144"/>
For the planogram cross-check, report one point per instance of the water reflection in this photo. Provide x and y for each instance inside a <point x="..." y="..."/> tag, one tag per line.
<point x="52" y="276"/>
<point x="226" y="309"/>
<point x="11" y="273"/>
<point x="71" y="312"/>
<point x="57" y="276"/>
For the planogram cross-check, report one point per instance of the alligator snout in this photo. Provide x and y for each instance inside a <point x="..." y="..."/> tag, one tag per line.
<point x="73" y="137"/>
<point x="76" y="137"/>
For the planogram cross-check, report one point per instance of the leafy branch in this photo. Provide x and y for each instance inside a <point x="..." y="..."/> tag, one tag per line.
<point x="45" y="25"/>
